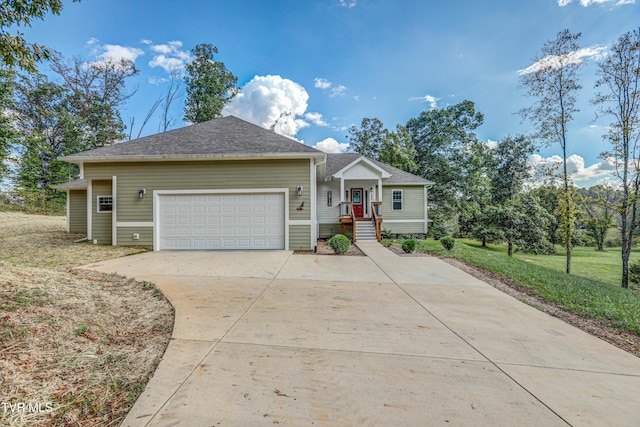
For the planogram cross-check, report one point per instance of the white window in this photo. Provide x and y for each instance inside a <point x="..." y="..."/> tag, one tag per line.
<point x="329" y="198"/>
<point x="396" y="199"/>
<point x="105" y="203"/>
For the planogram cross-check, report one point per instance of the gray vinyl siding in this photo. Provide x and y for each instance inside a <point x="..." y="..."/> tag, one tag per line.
<point x="77" y="211"/>
<point x="125" y="236"/>
<point x="329" y="230"/>
<point x="412" y="202"/>
<point x="101" y="221"/>
<point x="204" y="175"/>
<point x="299" y="237"/>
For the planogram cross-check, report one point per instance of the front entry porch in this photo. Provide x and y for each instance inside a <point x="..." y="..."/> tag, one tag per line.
<point x="362" y="228"/>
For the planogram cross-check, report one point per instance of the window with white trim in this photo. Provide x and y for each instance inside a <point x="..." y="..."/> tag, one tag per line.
<point x="105" y="203"/>
<point x="396" y="200"/>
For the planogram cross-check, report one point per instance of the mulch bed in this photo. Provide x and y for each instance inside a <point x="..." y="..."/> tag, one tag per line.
<point x="323" y="248"/>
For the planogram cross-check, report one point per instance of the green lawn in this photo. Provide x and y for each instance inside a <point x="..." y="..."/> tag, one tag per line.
<point x="586" y="262"/>
<point x="583" y="295"/>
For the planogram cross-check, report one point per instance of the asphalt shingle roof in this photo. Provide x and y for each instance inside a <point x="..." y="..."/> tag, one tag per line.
<point x="224" y="136"/>
<point x="336" y="162"/>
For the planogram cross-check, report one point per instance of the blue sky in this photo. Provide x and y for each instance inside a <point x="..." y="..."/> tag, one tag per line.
<point x="333" y="62"/>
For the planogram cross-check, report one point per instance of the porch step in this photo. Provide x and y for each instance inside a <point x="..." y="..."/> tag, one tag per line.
<point x="365" y="232"/>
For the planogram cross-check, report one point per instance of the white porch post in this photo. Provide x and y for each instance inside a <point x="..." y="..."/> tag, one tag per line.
<point x="379" y="189"/>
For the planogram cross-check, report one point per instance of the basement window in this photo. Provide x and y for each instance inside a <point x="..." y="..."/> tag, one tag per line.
<point x="105" y="203"/>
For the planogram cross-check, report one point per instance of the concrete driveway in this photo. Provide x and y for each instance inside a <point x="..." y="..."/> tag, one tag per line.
<point x="266" y="338"/>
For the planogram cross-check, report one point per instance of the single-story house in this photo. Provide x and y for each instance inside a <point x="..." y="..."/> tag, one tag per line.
<point x="229" y="184"/>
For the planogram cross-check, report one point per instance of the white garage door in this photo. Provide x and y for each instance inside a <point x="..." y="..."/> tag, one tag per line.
<point x="221" y="221"/>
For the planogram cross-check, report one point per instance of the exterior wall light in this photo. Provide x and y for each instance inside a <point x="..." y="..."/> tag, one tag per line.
<point x="299" y="189"/>
<point x="142" y="192"/>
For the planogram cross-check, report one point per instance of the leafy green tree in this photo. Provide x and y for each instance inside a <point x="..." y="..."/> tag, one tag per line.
<point x="398" y="151"/>
<point x="7" y="132"/>
<point x="548" y="197"/>
<point x="209" y="85"/>
<point x="475" y="191"/>
<point x="442" y="138"/>
<point x="375" y="141"/>
<point x="47" y="129"/>
<point x="619" y="81"/>
<point x="510" y="169"/>
<point x="599" y="202"/>
<point x="553" y="82"/>
<point x="369" y="139"/>
<point x="532" y="234"/>
<point x="14" y="49"/>
<point x="513" y="216"/>
<point x="506" y="171"/>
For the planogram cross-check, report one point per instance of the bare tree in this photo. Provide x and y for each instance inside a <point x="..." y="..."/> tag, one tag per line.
<point x="619" y="81"/>
<point x="553" y="81"/>
<point x="173" y="93"/>
<point x="97" y="90"/>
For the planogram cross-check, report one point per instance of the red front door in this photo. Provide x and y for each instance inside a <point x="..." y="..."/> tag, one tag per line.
<point x="356" y="201"/>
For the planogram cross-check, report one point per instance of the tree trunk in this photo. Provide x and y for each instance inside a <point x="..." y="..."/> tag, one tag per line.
<point x="625" y="268"/>
<point x="510" y="248"/>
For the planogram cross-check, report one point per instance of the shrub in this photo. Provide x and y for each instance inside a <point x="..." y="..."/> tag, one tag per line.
<point x="439" y="231"/>
<point x="386" y="234"/>
<point x="409" y="245"/>
<point x="340" y="244"/>
<point x="447" y="242"/>
<point x="634" y="272"/>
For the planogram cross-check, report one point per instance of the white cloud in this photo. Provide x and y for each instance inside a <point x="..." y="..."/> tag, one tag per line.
<point x="338" y="91"/>
<point x="581" y="174"/>
<point x="169" y="56"/>
<point x="330" y="145"/>
<point x="115" y="52"/>
<point x="348" y="4"/>
<point x="553" y="62"/>
<point x="325" y="84"/>
<point x="429" y="99"/>
<point x="269" y="100"/>
<point x="587" y="3"/>
<point x="322" y="83"/>
<point x="316" y="119"/>
<point x="491" y="143"/>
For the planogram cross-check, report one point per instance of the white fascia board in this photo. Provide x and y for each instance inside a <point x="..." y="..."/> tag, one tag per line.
<point x="189" y="157"/>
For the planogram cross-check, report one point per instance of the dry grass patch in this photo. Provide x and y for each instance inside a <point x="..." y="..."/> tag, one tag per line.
<point x="82" y="344"/>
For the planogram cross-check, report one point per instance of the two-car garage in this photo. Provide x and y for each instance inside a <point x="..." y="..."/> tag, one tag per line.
<point x="224" y="220"/>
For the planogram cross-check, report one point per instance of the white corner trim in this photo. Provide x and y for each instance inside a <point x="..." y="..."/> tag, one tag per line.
<point x="68" y="210"/>
<point x="158" y="193"/>
<point x="114" y="206"/>
<point x="89" y="209"/>
<point x="314" y="200"/>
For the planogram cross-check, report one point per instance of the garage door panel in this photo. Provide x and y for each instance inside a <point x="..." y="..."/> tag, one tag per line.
<point x="222" y="221"/>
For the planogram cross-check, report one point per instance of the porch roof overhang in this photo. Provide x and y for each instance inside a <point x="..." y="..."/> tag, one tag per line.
<point x="78" y="184"/>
